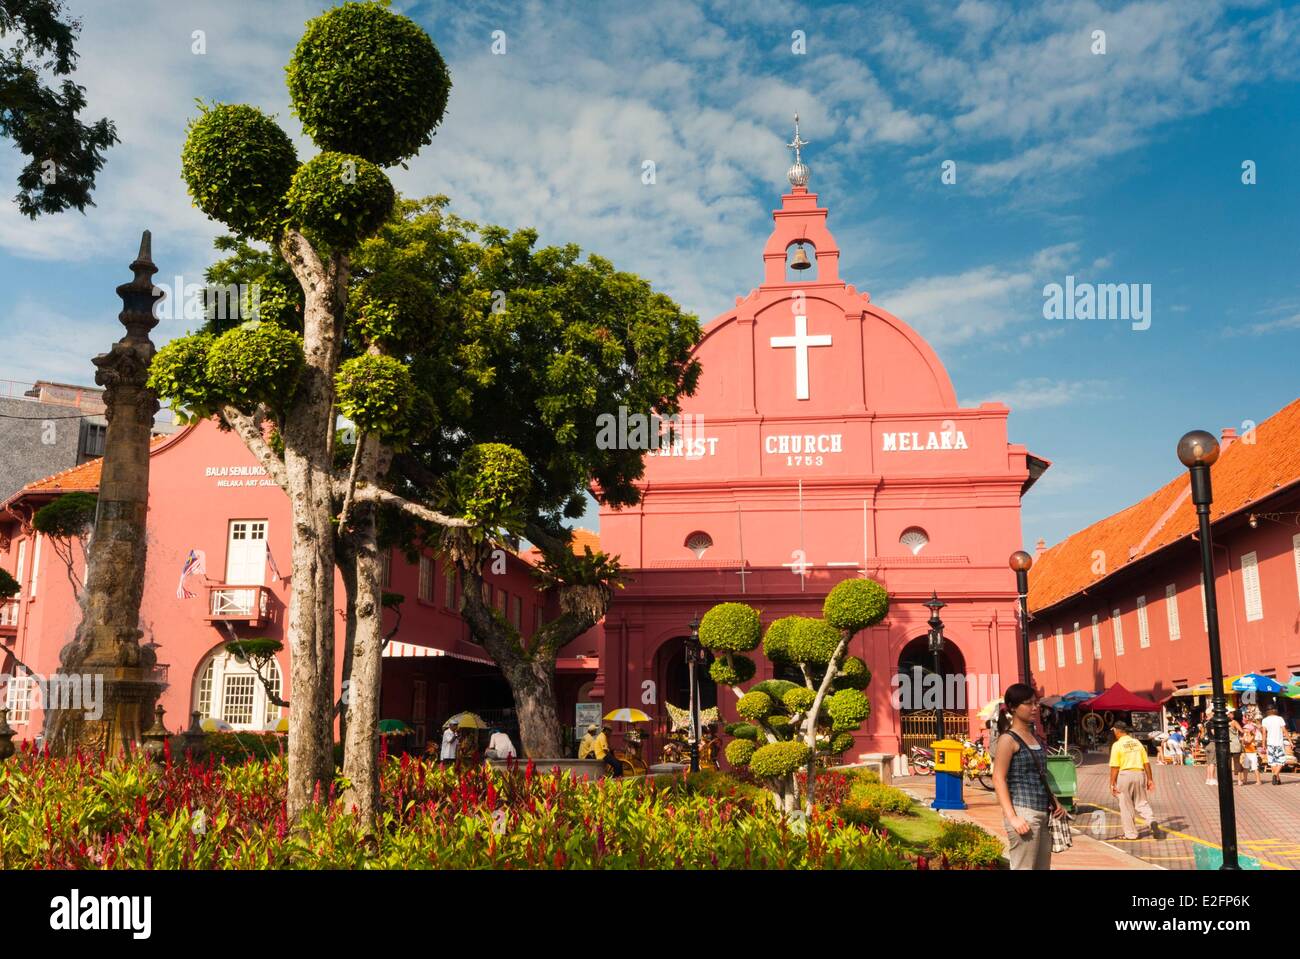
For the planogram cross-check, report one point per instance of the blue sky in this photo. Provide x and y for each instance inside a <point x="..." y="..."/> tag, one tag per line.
<point x="1124" y="167"/>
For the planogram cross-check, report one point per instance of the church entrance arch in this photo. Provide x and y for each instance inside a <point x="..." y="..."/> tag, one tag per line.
<point x="919" y="692"/>
<point x="672" y="682"/>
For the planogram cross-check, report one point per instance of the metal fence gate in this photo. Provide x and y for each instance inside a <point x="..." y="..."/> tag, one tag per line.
<point x="919" y="730"/>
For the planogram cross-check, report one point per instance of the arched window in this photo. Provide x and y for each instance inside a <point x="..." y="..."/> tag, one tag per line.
<point x="915" y="539"/>
<point x="699" y="543"/>
<point x="230" y="691"/>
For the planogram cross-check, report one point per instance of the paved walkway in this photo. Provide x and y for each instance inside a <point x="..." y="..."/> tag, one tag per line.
<point x="983" y="810"/>
<point x="1268" y="817"/>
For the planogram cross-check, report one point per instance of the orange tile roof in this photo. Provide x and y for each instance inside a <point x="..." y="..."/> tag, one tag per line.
<point x="1244" y="473"/>
<point x="581" y="538"/>
<point x="77" y="479"/>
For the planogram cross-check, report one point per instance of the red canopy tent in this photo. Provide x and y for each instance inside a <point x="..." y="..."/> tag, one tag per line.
<point x="1119" y="699"/>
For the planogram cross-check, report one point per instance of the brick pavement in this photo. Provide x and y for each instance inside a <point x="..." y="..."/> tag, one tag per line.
<point x="1268" y="817"/>
<point x="983" y="810"/>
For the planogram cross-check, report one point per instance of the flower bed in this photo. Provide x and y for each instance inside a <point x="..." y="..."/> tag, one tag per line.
<point x="87" y="812"/>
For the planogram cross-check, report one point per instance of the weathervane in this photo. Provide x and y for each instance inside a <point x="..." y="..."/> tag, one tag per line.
<point x="797" y="174"/>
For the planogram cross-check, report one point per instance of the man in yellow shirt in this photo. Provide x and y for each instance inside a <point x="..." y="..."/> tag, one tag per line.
<point x="1131" y="780"/>
<point x="606" y="755"/>
<point x="588" y="744"/>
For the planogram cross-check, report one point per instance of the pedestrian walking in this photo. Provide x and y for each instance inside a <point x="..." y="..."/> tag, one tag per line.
<point x="1275" y="743"/>
<point x="1250" y="746"/>
<point x="1020" y="782"/>
<point x="1235" y="744"/>
<point x="1131" y="780"/>
<point x="1206" y="738"/>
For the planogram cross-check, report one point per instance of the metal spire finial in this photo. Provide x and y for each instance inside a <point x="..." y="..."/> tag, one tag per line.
<point x="798" y="173"/>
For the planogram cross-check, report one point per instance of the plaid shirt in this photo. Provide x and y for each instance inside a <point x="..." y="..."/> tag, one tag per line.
<point x="1025" y="779"/>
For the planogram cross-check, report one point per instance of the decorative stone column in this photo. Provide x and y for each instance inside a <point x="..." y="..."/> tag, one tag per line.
<point x="107" y="646"/>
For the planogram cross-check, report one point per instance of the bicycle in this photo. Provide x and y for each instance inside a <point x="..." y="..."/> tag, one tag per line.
<point x="976" y="764"/>
<point x="921" y="760"/>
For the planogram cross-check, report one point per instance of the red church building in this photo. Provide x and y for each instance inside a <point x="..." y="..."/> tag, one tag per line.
<point x="825" y="441"/>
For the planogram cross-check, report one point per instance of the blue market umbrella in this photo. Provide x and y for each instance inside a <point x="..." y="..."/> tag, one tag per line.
<point x="1248" y="682"/>
<point x="1078" y="696"/>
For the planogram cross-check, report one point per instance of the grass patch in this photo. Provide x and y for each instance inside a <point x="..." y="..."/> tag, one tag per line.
<point x="917" y="830"/>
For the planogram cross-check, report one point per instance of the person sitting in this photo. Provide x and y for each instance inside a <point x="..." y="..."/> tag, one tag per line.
<point x="605" y="754"/>
<point x="588" y="744"/>
<point x="500" y="746"/>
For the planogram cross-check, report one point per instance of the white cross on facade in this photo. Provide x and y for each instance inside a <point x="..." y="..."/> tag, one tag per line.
<point x="801" y="341"/>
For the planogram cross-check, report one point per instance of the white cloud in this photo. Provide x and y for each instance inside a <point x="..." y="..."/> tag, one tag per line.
<point x="1040" y="393"/>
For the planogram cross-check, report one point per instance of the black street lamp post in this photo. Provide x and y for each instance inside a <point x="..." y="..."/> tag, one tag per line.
<point x="1198" y="450"/>
<point x="1021" y="562"/>
<point x="936" y="649"/>
<point x="694" y="657"/>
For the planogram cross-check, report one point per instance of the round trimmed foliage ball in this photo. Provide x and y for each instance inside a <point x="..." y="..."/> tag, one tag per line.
<point x="742" y="730"/>
<point x="732" y="670"/>
<point x="856" y="604"/>
<point x="256" y="363"/>
<point x="392" y="307"/>
<point x="739" y="752"/>
<point x="779" y="724"/>
<point x="730" y="628"/>
<point x="853" y="674"/>
<point x="778" y="760"/>
<point x="754" y="706"/>
<point x="847" y="708"/>
<point x="339" y="199"/>
<point x="374" y="392"/>
<point x="492" y="481"/>
<point x="813" y="641"/>
<point x="179" y="375"/>
<point x="776" y="688"/>
<point x="368" y="81"/>
<point x="776" y="642"/>
<point x="238" y="164"/>
<point x="799" y="699"/>
<point x="840" y="743"/>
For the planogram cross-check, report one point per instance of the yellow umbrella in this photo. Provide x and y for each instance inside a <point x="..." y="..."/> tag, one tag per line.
<point x="466" y="720"/>
<point x="282" y="726"/>
<point x="211" y="725"/>
<point x="990" y="709"/>
<point x="1201" y="689"/>
<point x="627" y="715"/>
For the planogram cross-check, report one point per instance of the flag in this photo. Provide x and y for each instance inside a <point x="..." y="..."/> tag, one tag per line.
<point x="196" y="564"/>
<point x="275" y="570"/>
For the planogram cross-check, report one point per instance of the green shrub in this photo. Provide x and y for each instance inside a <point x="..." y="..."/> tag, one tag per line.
<point x="730" y="628"/>
<point x="776" y="641"/>
<point x="799" y="699"/>
<point x="859" y="813"/>
<point x="885" y="798"/>
<point x="966" y="844"/>
<point x="238" y="164"/>
<point x="241" y="747"/>
<point x="358" y="55"/>
<point x="853" y="674"/>
<point x="256" y="363"/>
<point x="778" y="760"/>
<point x="9" y="587"/>
<point x="339" y="199"/>
<point x="776" y="688"/>
<point x="740" y="751"/>
<point x="179" y="375"/>
<point x="840" y="742"/>
<point x="755" y="705"/>
<point x="374" y="392"/>
<point x="732" y="669"/>
<point x="856" y="604"/>
<point x="847" y="709"/>
<point x="813" y="641"/>
<point x="742" y="730"/>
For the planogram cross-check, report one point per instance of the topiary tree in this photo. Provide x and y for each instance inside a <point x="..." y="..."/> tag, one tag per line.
<point x="370" y="88"/>
<point x="788" y="725"/>
<point x="67" y="523"/>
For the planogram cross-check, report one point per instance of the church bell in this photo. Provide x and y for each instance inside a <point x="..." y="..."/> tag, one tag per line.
<point x="800" y="261"/>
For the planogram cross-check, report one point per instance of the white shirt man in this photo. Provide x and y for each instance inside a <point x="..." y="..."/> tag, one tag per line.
<point x="1275" y="743"/>
<point x="501" y="745"/>
<point x="449" y="737"/>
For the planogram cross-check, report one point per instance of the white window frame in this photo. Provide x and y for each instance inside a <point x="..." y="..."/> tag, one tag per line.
<point x="1117" y="630"/>
<point x="1144" y="627"/>
<point x="1078" y="646"/>
<point x="210" y="691"/>
<point x="1171" y="612"/>
<point x="18" y="699"/>
<point x="1250" y="587"/>
<point x="36" y="565"/>
<point x="1042" y="656"/>
<point x="22" y="563"/>
<point x="1060" y="648"/>
<point x="1096" y="637"/>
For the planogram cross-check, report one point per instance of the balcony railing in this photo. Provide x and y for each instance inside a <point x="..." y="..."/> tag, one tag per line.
<point x="9" y="617"/>
<point x="247" y="604"/>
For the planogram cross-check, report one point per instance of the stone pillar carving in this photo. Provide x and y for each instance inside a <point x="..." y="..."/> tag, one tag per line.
<point x="106" y="647"/>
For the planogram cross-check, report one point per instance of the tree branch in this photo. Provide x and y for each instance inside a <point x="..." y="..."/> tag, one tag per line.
<point x="249" y="429"/>
<point x="386" y="498"/>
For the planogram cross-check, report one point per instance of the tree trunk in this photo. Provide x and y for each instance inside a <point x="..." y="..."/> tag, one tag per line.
<point x="361" y="747"/>
<point x="533" y="684"/>
<point x="308" y="461"/>
<point x="814" y="711"/>
<point x="348" y="573"/>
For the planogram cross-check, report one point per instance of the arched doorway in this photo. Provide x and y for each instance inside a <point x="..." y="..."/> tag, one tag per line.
<point x="919" y="692"/>
<point x="672" y="680"/>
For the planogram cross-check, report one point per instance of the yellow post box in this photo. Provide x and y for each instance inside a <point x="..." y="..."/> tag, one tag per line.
<point x="947" y="755"/>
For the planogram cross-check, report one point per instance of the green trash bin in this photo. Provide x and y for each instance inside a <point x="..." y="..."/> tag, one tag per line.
<point x="1063" y="778"/>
